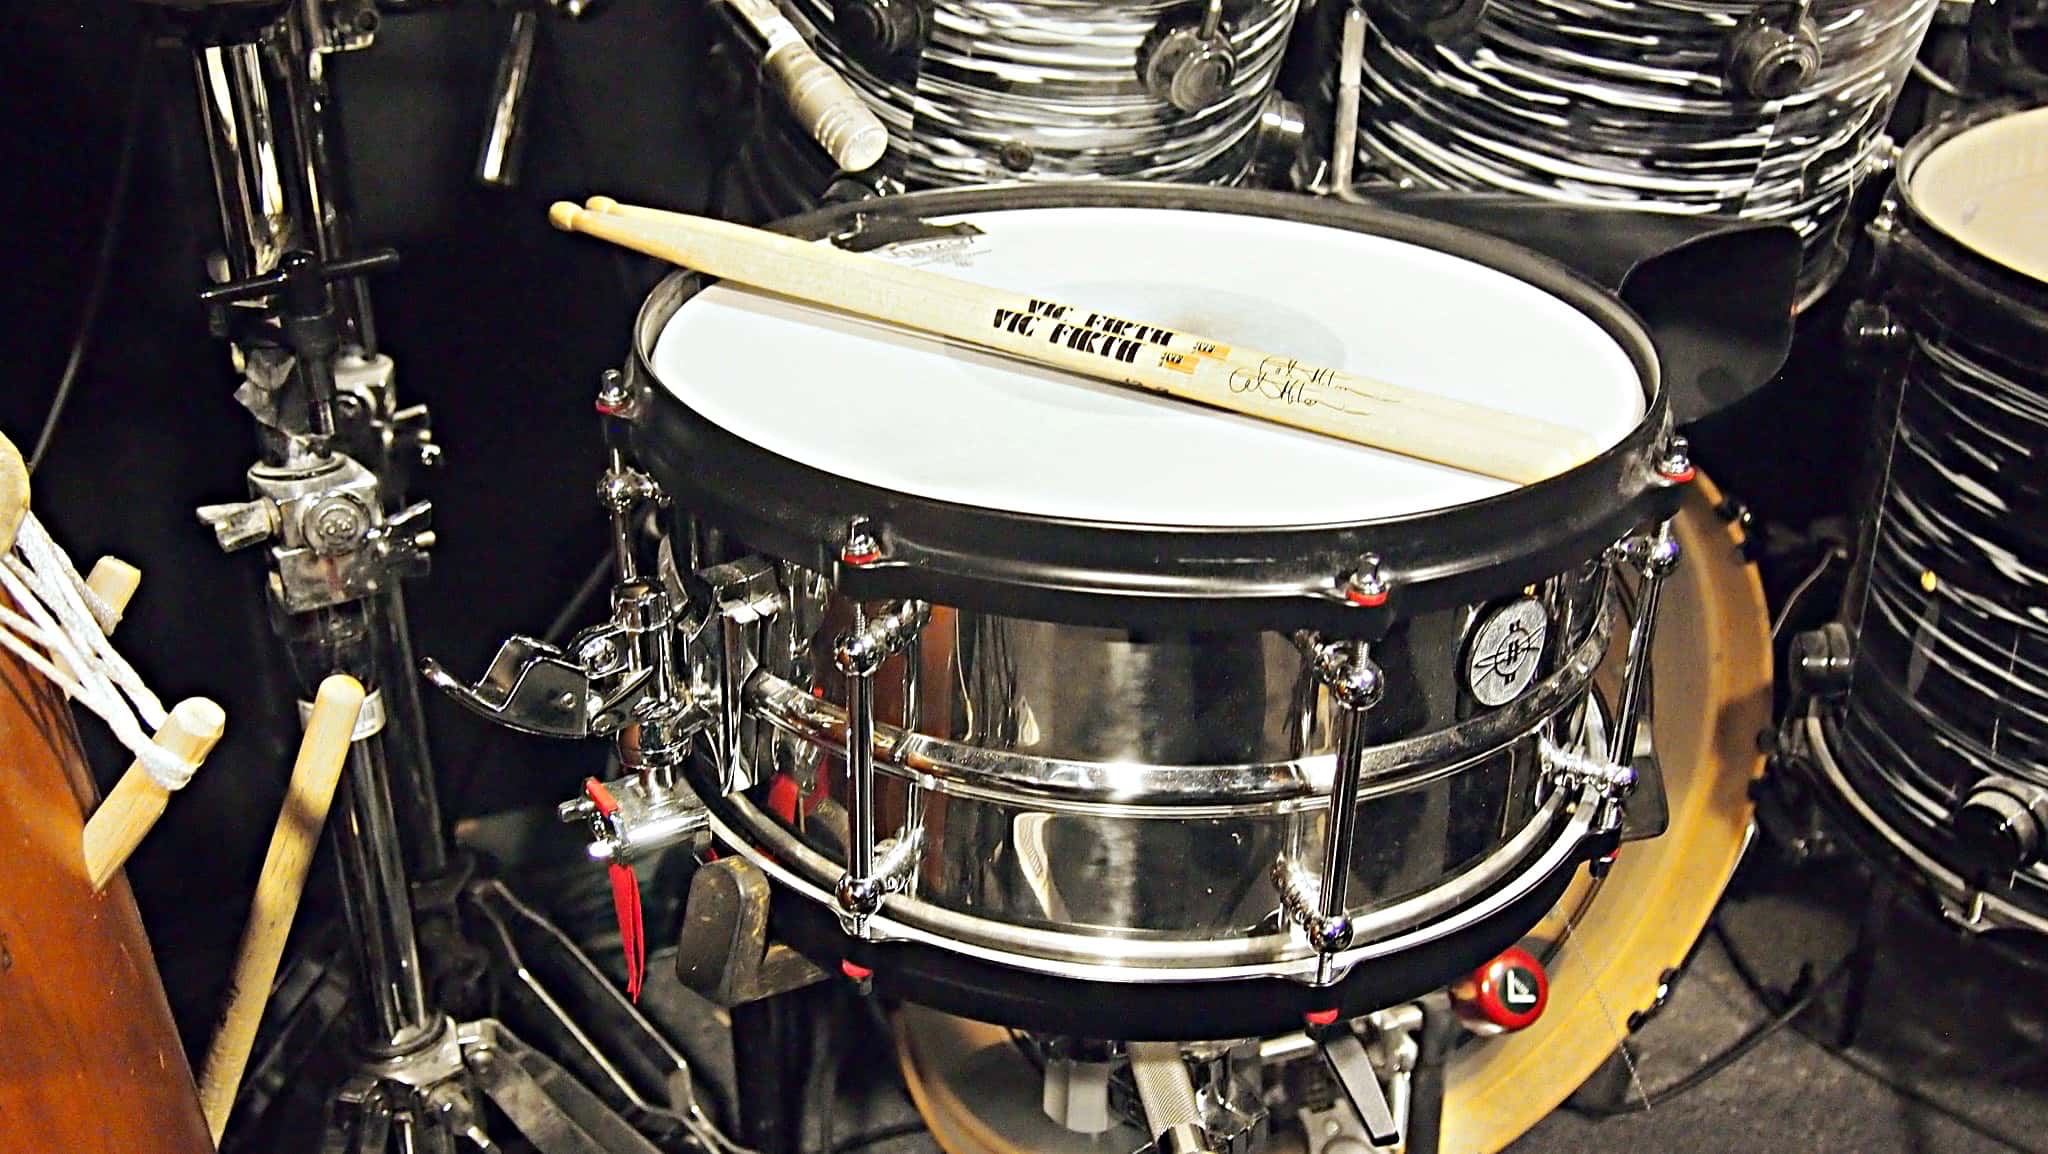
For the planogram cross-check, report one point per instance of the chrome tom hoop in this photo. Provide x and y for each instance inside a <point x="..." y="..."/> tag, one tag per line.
<point x="1939" y="747"/>
<point x="1769" y="112"/>
<point x="1113" y="655"/>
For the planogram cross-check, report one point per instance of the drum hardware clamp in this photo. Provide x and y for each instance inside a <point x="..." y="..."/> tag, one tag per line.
<point x="872" y="872"/>
<point x="1317" y="903"/>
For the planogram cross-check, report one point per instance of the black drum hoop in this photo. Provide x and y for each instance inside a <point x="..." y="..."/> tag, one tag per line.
<point x="1147" y="575"/>
<point x="1947" y="285"/>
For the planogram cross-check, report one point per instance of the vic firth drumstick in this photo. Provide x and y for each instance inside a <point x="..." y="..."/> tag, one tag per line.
<point x="1121" y="350"/>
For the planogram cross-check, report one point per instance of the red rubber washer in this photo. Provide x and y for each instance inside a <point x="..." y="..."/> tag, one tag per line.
<point x="1507" y="993"/>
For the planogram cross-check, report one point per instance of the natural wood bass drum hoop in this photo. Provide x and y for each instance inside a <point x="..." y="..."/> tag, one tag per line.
<point x="1607" y="959"/>
<point x="90" y="1060"/>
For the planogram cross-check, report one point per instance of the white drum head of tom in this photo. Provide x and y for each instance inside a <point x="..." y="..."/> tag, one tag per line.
<point x="920" y="416"/>
<point x="1987" y="189"/>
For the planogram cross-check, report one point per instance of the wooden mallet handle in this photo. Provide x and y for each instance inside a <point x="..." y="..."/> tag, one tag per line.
<point x="322" y="753"/>
<point x="1100" y="345"/>
<point x="131" y="808"/>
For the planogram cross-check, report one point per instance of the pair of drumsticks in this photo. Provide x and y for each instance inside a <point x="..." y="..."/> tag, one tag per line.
<point x="1122" y="350"/>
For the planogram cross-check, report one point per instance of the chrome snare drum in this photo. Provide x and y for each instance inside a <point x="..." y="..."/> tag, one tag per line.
<point x="1031" y="693"/>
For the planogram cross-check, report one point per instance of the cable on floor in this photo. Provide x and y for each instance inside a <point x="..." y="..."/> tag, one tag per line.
<point x="878" y="1136"/>
<point x="1735" y="1052"/>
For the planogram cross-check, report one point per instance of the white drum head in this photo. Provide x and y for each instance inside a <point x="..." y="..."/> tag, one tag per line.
<point x="920" y="416"/>
<point x="1987" y="189"/>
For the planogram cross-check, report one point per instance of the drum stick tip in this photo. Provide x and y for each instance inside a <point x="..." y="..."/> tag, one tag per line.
<point x="563" y="215"/>
<point x="200" y="717"/>
<point x="601" y="204"/>
<point x="343" y="691"/>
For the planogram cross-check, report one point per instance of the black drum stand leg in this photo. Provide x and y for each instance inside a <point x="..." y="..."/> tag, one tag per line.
<point x="765" y="1037"/>
<point x="1426" y="1084"/>
<point x="1870" y="931"/>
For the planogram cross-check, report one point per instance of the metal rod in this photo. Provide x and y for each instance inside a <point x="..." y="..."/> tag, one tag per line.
<point x="1344" y="136"/>
<point x="1341" y="834"/>
<point x="860" y="774"/>
<point x="316" y="137"/>
<point x="242" y="146"/>
<point x="497" y="164"/>
<point x="1660" y="556"/>
<point x="378" y="906"/>
<point x="417" y="794"/>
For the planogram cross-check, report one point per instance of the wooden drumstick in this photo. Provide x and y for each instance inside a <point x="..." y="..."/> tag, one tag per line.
<point x="13" y="493"/>
<point x="114" y="581"/>
<point x="322" y="753"/>
<point x="131" y="808"/>
<point x="1096" y="344"/>
<point x="820" y="99"/>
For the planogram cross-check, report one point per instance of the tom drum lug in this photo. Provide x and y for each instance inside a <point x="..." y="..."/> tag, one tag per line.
<point x="872" y="872"/>
<point x="1189" y="65"/>
<point x="1318" y="903"/>
<point x="1773" y="53"/>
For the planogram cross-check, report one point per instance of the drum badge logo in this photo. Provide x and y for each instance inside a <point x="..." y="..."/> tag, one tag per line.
<point x="1506" y="650"/>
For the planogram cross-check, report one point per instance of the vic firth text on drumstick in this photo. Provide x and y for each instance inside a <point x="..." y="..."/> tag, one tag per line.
<point x="1096" y="344"/>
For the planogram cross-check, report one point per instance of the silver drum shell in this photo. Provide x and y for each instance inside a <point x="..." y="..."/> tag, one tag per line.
<point x="1093" y="799"/>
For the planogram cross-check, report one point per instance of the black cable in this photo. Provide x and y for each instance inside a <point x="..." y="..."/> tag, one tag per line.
<point x="558" y="629"/>
<point x="1735" y="1052"/>
<point x="878" y="1136"/>
<point x="103" y="263"/>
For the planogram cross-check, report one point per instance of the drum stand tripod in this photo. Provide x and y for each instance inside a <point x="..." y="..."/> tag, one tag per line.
<point x="336" y="451"/>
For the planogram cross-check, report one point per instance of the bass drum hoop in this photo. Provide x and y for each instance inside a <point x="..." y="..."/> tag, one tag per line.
<point x="1160" y="576"/>
<point x="1619" y="953"/>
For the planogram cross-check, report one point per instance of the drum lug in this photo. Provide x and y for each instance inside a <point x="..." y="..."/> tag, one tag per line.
<point x="1774" y="53"/>
<point x="1656" y="555"/>
<point x="1603" y="779"/>
<point x="1189" y="65"/>
<point x="1317" y="903"/>
<point x="872" y="872"/>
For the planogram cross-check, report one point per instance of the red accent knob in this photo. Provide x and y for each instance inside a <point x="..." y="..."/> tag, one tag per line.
<point x="1320" y="1017"/>
<point x="1369" y="600"/>
<point x="1507" y="993"/>
<point x="855" y="970"/>
<point x="784" y="796"/>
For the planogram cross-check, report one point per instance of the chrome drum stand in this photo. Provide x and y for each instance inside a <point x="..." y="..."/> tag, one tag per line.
<point x="326" y="500"/>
